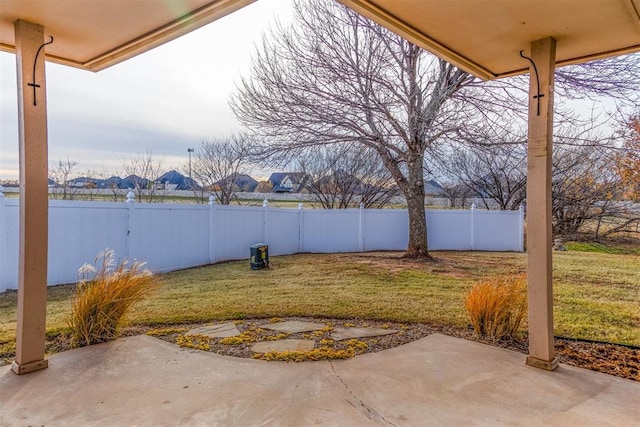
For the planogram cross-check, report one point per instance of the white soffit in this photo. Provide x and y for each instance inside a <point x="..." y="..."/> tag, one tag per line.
<point x="485" y="37"/>
<point x="95" y="34"/>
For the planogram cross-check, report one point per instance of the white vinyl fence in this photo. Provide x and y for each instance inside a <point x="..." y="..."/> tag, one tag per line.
<point x="175" y="236"/>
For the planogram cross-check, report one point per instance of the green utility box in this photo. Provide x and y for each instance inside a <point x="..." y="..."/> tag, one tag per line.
<point x="259" y="256"/>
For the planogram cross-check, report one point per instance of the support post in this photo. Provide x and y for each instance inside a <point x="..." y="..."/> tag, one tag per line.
<point x="539" y="154"/>
<point x="34" y="203"/>
<point x="3" y="243"/>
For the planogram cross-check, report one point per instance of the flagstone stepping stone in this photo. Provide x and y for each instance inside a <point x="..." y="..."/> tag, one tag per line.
<point x="223" y="330"/>
<point x="283" y="345"/>
<point x="294" y="326"/>
<point x="340" y="334"/>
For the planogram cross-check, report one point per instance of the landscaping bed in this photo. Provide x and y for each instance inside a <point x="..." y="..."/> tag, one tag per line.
<point x="611" y="359"/>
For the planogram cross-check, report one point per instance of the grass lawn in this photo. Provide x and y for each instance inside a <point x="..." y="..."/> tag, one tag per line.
<point x="597" y="295"/>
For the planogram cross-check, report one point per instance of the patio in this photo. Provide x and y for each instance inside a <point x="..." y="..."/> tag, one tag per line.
<point x="438" y="380"/>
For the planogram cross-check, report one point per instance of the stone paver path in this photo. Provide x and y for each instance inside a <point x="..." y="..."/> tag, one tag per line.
<point x="283" y="345"/>
<point x="340" y="334"/>
<point x="229" y="329"/>
<point x="223" y="330"/>
<point x="294" y="327"/>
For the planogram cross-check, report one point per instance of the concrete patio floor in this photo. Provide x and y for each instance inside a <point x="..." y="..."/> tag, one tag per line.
<point x="437" y="380"/>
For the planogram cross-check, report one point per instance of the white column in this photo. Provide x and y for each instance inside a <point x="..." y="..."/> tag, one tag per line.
<point x="34" y="203"/>
<point x="539" y="153"/>
<point x="3" y="243"/>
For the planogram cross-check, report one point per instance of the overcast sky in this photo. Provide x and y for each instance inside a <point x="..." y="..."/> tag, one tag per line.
<point x="165" y="100"/>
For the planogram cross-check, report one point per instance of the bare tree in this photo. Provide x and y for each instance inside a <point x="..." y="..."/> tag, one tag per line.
<point x="334" y="77"/>
<point x="338" y="78"/>
<point x="340" y="178"/>
<point x="217" y="164"/>
<point x="628" y="160"/>
<point x="584" y="189"/>
<point x="143" y="169"/>
<point x="89" y="189"/>
<point x="60" y="173"/>
<point x="111" y="184"/>
<point x="264" y="187"/>
<point x="456" y="192"/>
<point x="493" y="171"/>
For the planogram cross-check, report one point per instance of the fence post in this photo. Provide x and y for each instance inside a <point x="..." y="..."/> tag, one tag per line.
<point x="212" y="229"/>
<point x="265" y="206"/>
<point x="521" y="229"/>
<point x="361" y="228"/>
<point x="300" y="227"/>
<point x="473" y="226"/>
<point x="131" y="200"/>
<point x="3" y="241"/>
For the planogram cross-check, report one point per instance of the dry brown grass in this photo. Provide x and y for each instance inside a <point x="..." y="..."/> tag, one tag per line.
<point x="497" y="306"/>
<point x="104" y="295"/>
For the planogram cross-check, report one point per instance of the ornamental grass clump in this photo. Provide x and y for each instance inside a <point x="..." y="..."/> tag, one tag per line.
<point x="496" y="307"/>
<point x="104" y="294"/>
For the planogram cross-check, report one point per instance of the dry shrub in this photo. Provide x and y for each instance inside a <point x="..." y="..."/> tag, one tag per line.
<point x="104" y="295"/>
<point x="497" y="306"/>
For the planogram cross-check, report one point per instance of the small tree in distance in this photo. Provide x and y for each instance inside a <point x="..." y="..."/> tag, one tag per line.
<point x="341" y="178"/>
<point x="264" y="187"/>
<point x="143" y="169"/>
<point x="628" y="162"/>
<point x="60" y="173"/>
<point x="218" y="162"/>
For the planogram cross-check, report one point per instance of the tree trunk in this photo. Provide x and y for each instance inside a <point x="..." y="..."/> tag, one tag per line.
<point x="414" y="194"/>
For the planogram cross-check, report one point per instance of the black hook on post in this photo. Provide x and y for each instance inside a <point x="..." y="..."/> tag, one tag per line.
<point x="35" y="63"/>
<point x="539" y="95"/>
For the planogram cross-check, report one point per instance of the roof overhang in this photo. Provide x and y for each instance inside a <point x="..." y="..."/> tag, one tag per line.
<point x="485" y="37"/>
<point x="96" y="34"/>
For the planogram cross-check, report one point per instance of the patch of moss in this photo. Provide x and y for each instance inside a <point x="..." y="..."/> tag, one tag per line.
<point x="280" y="336"/>
<point x="248" y="336"/>
<point x="327" y="341"/>
<point x="357" y="344"/>
<point x="320" y="353"/>
<point x="198" y="342"/>
<point x="161" y="332"/>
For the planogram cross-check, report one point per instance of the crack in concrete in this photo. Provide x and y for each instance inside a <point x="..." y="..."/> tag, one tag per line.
<point x="361" y="406"/>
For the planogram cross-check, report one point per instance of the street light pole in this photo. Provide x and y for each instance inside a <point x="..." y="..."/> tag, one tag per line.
<point x="190" y="150"/>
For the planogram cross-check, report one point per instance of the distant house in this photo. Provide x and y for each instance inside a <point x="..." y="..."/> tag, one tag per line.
<point x="287" y="182"/>
<point x="174" y="180"/>
<point x="134" y="181"/>
<point x="433" y="188"/>
<point x="241" y="182"/>
<point x="113" y="182"/>
<point x="86" y="182"/>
